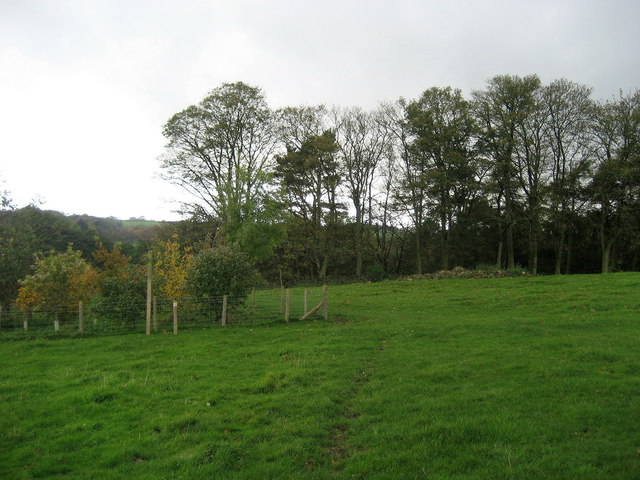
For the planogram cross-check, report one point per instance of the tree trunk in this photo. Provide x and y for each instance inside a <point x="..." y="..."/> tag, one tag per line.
<point x="558" y="251"/>
<point x="418" y="252"/>
<point x="569" y="258"/>
<point x="509" y="217"/>
<point x="358" y="249"/>
<point x="323" y="269"/>
<point x="445" y="243"/>
<point x="605" y="258"/>
<point x="511" y="264"/>
<point x="534" y="266"/>
<point x="605" y="245"/>
<point x="500" y="236"/>
<point x="533" y="244"/>
<point x="613" y="253"/>
<point x="530" y="242"/>
<point x="400" y="254"/>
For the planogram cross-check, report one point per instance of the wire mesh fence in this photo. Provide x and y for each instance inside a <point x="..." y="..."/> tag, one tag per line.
<point x="164" y="315"/>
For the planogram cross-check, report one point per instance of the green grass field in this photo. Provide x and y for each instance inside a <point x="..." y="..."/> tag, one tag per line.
<point x="141" y="223"/>
<point x="516" y="378"/>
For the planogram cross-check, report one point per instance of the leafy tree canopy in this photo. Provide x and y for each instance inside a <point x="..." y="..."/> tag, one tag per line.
<point x="60" y="281"/>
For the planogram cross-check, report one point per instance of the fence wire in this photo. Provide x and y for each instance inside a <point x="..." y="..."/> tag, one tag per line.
<point x="97" y="317"/>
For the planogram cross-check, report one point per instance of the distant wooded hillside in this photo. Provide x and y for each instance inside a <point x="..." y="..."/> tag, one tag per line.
<point x="29" y="232"/>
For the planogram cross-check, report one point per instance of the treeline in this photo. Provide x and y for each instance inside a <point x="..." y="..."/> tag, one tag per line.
<point x="50" y="262"/>
<point x="29" y="233"/>
<point x="520" y="175"/>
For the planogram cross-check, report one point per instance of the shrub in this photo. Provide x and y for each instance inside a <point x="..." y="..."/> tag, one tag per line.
<point x="121" y="286"/>
<point x="122" y="295"/>
<point x="375" y="272"/>
<point x="517" y="271"/>
<point x="59" y="281"/>
<point x="219" y="271"/>
<point x="171" y="263"/>
<point x="488" y="268"/>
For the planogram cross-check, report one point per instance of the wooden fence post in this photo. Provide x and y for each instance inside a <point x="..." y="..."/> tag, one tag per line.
<point x="281" y="299"/>
<point x="224" y="310"/>
<point x="175" y="317"/>
<point x="25" y="321"/>
<point x="155" y="314"/>
<point x="325" y="301"/>
<point x="149" y="292"/>
<point x="306" y="301"/>
<point x="281" y="291"/>
<point x="286" y="305"/>
<point x="56" y="324"/>
<point x="81" y="317"/>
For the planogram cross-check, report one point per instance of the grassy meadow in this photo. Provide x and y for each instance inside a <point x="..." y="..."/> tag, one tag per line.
<point x="515" y="378"/>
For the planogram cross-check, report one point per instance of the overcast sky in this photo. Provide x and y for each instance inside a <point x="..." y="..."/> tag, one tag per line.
<point x="86" y="85"/>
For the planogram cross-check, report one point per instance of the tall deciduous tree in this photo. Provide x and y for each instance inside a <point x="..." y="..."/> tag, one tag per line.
<point x="310" y="177"/>
<point x="362" y="145"/>
<point x="444" y="132"/>
<point x="532" y="158"/>
<point x="616" y="182"/>
<point x="392" y="216"/>
<point x="410" y="197"/>
<point x="568" y="107"/>
<point x="221" y="151"/>
<point x="295" y="125"/>
<point x="504" y="104"/>
<point x="389" y="227"/>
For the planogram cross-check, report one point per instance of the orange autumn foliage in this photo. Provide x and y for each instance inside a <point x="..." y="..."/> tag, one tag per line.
<point x="110" y="262"/>
<point x="60" y="280"/>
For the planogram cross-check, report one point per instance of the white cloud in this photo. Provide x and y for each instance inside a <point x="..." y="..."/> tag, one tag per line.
<point x="82" y="141"/>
